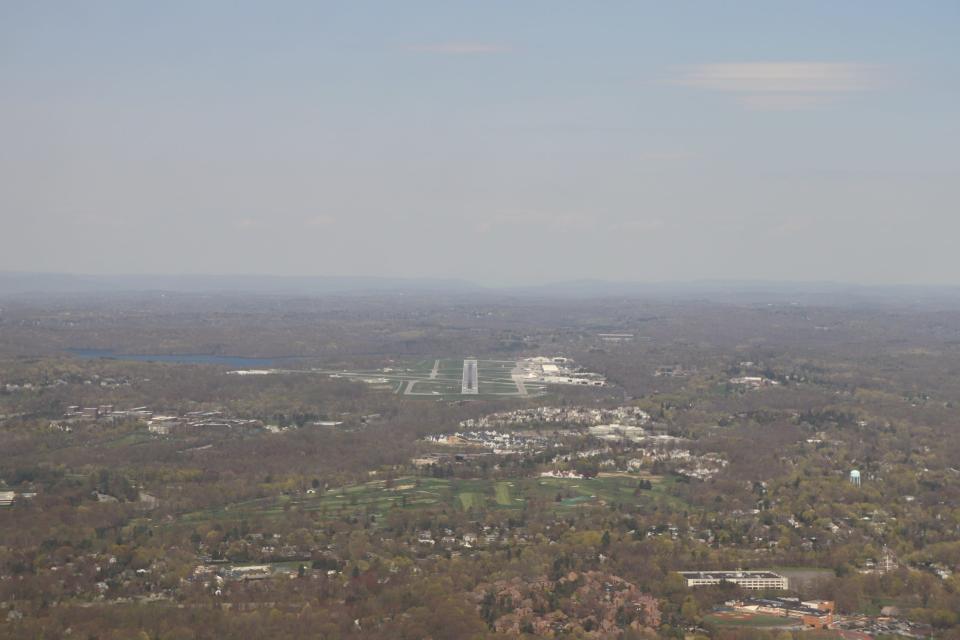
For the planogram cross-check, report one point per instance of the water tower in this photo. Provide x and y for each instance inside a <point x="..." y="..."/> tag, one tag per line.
<point x="855" y="478"/>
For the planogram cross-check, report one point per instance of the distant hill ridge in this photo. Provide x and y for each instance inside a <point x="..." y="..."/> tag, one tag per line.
<point x="27" y="283"/>
<point x="732" y="291"/>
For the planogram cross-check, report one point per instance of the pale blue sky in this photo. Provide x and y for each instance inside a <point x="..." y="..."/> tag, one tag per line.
<point x="513" y="141"/>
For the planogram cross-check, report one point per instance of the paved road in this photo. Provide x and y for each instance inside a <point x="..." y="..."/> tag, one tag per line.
<point x="517" y="375"/>
<point x="436" y="368"/>
<point x="521" y="388"/>
<point x="469" y="385"/>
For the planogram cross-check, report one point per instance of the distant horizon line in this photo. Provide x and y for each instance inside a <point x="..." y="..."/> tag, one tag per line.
<point x="600" y="282"/>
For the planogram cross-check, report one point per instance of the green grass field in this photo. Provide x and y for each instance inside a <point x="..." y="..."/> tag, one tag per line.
<point x="803" y="575"/>
<point x="378" y="499"/>
<point x="502" y="494"/>
<point x="747" y="620"/>
<point x="470" y="500"/>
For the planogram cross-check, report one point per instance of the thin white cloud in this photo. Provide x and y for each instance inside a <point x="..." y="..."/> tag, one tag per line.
<point x="776" y="77"/>
<point x="783" y="85"/>
<point x="565" y="222"/>
<point x="641" y="225"/>
<point x="320" y="221"/>
<point x="460" y="48"/>
<point x="784" y="101"/>
<point x="546" y="221"/>
<point x="792" y="226"/>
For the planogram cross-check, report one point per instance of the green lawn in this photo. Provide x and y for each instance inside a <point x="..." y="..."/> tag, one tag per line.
<point x="751" y="621"/>
<point x="409" y="492"/>
<point x="470" y="500"/>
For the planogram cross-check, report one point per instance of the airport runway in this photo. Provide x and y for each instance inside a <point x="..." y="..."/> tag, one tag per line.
<point x="470" y="384"/>
<point x="521" y="388"/>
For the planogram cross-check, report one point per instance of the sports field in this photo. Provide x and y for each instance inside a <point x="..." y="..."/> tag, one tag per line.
<point x="737" y="619"/>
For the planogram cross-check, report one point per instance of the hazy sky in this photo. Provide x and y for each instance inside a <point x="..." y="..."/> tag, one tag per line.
<point x="501" y="141"/>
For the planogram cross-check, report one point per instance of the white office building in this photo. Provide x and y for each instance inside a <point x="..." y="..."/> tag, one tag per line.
<point x="755" y="580"/>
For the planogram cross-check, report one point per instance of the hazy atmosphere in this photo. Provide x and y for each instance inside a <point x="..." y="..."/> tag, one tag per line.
<point x="500" y="142"/>
<point x="487" y="320"/>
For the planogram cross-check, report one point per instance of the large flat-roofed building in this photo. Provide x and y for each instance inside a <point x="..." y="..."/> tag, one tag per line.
<point x="757" y="580"/>
<point x="817" y="614"/>
<point x="616" y="337"/>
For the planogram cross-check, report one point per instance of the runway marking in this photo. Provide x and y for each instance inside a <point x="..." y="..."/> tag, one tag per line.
<point x="469" y="384"/>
